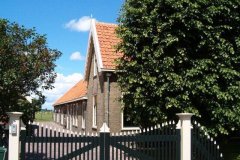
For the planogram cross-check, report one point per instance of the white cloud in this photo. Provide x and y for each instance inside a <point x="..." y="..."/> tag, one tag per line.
<point x="62" y="85"/>
<point x="76" y="56"/>
<point x="81" y="25"/>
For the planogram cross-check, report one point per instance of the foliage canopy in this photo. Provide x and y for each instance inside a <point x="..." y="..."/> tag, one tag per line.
<point x="26" y="68"/>
<point x="181" y="56"/>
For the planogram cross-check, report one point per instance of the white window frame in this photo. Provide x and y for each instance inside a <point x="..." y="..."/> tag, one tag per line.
<point x="126" y="128"/>
<point x="94" y="118"/>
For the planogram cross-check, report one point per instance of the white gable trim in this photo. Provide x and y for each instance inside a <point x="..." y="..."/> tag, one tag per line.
<point x="88" y="55"/>
<point x="93" y="35"/>
<point x="96" y="45"/>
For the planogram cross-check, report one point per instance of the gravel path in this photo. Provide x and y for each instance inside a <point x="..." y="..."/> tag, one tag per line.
<point x="49" y="124"/>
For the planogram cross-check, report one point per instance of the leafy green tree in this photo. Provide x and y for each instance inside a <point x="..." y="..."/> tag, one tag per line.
<point x="26" y="68"/>
<point x="181" y="56"/>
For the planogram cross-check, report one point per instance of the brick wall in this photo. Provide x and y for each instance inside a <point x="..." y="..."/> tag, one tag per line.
<point x="100" y="82"/>
<point x="94" y="88"/>
<point x="115" y="105"/>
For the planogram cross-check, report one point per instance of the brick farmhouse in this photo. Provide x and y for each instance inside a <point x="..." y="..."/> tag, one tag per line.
<point x="95" y="99"/>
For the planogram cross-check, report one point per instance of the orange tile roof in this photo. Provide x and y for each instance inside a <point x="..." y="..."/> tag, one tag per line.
<point x="78" y="91"/>
<point x="107" y="41"/>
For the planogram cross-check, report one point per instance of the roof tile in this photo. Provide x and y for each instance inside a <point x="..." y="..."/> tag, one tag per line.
<point x="108" y="40"/>
<point x="79" y="90"/>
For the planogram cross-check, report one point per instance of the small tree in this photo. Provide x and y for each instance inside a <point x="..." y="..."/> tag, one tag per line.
<point x="181" y="56"/>
<point x="26" y="68"/>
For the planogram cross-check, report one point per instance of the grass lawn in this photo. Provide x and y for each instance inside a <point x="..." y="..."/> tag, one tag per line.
<point x="43" y="116"/>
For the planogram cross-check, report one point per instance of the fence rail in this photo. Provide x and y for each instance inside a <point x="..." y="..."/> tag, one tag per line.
<point x="159" y="142"/>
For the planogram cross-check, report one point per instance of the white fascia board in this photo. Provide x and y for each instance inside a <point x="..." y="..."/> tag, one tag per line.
<point x="108" y="70"/>
<point x="96" y="45"/>
<point x="88" y="52"/>
<point x="75" y="100"/>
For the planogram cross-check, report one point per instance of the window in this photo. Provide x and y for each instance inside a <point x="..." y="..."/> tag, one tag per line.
<point x="76" y="116"/>
<point x="94" y="111"/>
<point x="127" y="124"/>
<point x="62" y="117"/>
<point x="75" y="119"/>
<point x="83" y="115"/>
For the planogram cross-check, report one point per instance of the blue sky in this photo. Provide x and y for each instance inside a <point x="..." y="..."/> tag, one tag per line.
<point x="66" y="25"/>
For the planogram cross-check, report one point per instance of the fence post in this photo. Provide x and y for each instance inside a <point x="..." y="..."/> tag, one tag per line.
<point x="14" y="133"/>
<point x="104" y="142"/>
<point x="185" y="125"/>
